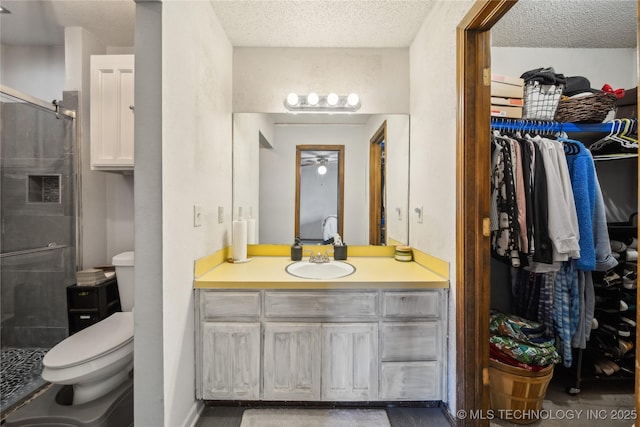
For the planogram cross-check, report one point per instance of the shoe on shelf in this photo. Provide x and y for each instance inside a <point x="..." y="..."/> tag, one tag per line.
<point x="611" y="279"/>
<point x="632" y="255"/>
<point x="625" y="346"/>
<point x="632" y="243"/>
<point x="624" y="330"/>
<point x="628" y="321"/>
<point x="630" y="280"/>
<point x="623" y="306"/>
<point x="617" y="246"/>
<point x="594" y="323"/>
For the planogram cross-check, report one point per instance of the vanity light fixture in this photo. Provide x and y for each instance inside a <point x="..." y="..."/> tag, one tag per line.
<point x="313" y="98"/>
<point x="292" y="99"/>
<point x="322" y="103"/>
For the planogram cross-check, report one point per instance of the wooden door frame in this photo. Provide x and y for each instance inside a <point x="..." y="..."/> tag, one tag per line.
<point x="375" y="154"/>
<point x="340" y="213"/>
<point x="472" y="195"/>
<point x="472" y="199"/>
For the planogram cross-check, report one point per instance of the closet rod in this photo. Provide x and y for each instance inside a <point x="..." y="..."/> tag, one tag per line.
<point x="549" y="126"/>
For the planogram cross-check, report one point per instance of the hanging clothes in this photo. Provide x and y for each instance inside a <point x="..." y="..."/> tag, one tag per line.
<point x="547" y="208"/>
<point x="504" y="226"/>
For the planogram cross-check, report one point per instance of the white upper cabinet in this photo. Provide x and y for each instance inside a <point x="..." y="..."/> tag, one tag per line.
<point x="112" y="112"/>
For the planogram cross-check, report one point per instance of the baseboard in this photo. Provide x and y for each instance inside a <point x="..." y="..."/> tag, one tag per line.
<point x="194" y="414"/>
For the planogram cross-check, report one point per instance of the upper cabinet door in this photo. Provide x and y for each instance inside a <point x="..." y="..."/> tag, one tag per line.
<point x="112" y="112"/>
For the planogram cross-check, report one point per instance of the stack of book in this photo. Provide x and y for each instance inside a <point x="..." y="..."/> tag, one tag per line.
<point x="90" y="277"/>
<point x="507" y="96"/>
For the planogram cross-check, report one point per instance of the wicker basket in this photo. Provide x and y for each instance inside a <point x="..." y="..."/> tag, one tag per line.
<point x="592" y="109"/>
<point x="516" y="393"/>
<point x="541" y="101"/>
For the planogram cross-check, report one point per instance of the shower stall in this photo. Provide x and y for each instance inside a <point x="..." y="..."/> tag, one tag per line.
<point x="38" y="211"/>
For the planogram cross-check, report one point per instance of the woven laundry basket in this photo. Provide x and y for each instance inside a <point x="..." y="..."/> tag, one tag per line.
<point x="516" y="393"/>
<point x="590" y="109"/>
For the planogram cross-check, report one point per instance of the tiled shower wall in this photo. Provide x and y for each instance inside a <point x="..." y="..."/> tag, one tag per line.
<point x="36" y="147"/>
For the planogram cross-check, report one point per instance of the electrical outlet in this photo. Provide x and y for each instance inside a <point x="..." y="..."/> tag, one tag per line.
<point x="220" y="214"/>
<point x="197" y="216"/>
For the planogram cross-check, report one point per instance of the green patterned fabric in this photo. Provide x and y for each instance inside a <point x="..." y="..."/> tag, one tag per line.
<point x="533" y="354"/>
<point x="521" y="329"/>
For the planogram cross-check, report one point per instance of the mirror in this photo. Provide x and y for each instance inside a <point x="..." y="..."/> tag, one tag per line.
<point x="319" y="193"/>
<point x="265" y="171"/>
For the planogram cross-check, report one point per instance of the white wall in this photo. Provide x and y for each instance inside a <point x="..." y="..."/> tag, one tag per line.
<point x="107" y="198"/>
<point x="246" y="162"/>
<point x="196" y="170"/>
<point x="264" y="76"/>
<point x="617" y="67"/>
<point x="433" y="150"/>
<point x="34" y="70"/>
<point x="79" y="46"/>
<point x="278" y="180"/>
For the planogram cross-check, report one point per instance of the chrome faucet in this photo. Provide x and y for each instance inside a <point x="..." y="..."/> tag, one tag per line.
<point x="318" y="258"/>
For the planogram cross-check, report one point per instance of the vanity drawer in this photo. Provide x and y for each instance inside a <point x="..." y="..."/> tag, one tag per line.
<point x="410" y="341"/>
<point x="424" y="304"/>
<point x="230" y="304"/>
<point x="333" y="305"/>
<point x="410" y="381"/>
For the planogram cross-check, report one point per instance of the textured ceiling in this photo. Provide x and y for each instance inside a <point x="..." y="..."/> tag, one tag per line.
<point x="331" y="23"/>
<point x="38" y="22"/>
<point x="568" y="23"/>
<point x="313" y="23"/>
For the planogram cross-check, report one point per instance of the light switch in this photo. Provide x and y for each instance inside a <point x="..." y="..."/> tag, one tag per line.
<point x="197" y="216"/>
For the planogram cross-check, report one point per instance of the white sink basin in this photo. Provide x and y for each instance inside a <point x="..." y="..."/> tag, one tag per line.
<point x="327" y="270"/>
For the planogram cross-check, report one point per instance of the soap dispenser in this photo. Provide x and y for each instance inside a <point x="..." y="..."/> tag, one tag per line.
<point x="296" y="250"/>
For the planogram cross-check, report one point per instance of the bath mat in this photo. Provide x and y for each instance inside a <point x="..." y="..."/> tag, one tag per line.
<point x="279" y="417"/>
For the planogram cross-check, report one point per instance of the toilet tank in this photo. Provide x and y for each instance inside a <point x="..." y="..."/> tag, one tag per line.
<point x="124" y="274"/>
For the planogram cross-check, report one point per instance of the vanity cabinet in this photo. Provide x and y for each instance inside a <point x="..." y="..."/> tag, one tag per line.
<point x="411" y="345"/>
<point x="112" y="112"/>
<point x="321" y="345"/>
<point x="231" y="360"/>
<point x="291" y="361"/>
<point x="350" y="361"/>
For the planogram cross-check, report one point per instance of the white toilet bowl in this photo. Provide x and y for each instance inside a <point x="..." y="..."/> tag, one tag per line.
<point x="97" y="359"/>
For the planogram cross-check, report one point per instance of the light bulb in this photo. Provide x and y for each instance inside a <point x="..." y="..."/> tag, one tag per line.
<point x="313" y="98"/>
<point x="292" y="99"/>
<point x="322" y="169"/>
<point x="332" y="99"/>
<point x="353" y="99"/>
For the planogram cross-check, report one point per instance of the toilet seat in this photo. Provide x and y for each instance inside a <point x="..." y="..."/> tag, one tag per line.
<point x="104" y="337"/>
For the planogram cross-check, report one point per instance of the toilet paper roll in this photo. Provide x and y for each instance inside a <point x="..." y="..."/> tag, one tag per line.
<point x="239" y="246"/>
<point x="251" y="231"/>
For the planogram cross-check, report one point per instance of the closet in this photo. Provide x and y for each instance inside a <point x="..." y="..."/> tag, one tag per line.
<point x="598" y="344"/>
<point x="613" y="336"/>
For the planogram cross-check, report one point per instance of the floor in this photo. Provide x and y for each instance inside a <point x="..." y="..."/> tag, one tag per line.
<point x="20" y="375"/>
<point x="224" y="416"/>
<point x="598" y="403"/>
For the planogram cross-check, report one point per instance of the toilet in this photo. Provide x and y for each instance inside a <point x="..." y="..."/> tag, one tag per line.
<point x="99" y="358"/>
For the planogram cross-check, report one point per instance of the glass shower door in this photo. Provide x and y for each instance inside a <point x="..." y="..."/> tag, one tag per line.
<point x="38" y="237"/>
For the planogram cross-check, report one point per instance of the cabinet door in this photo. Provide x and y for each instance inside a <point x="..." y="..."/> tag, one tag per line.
<point x="291" y="361"/>
<point x="350" y="361"/>
<point x="112" y="116"/>
<point x="230" y="360"/>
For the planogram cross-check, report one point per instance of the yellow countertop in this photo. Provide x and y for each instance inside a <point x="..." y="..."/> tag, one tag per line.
<point x="269" y="272"/>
